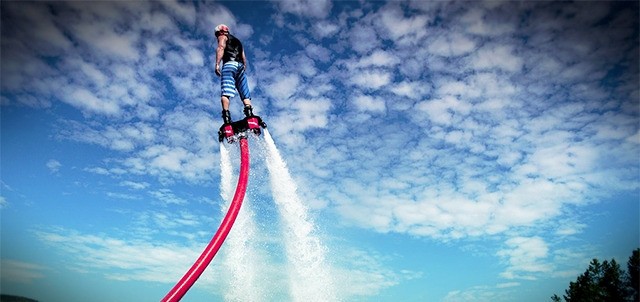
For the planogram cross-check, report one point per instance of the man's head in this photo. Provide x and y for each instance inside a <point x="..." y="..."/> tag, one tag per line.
<point x="221" y="29"/>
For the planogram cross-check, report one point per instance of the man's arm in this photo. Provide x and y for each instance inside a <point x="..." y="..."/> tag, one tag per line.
<point x="244" y="60"/>
<point x="222" y="44"/>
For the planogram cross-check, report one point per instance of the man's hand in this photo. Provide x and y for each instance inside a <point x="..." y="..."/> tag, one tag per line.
<point x="218" y="70"/>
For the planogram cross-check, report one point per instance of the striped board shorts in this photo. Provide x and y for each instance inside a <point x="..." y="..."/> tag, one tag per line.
<point x="234" y="80"/>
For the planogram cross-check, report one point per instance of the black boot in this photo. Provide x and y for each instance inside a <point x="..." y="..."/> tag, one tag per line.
<point x="248" y="110"/>
<point x="226" y="116"/>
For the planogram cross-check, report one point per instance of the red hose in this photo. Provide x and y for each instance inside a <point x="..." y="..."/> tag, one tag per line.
<point x="181" y="288"/>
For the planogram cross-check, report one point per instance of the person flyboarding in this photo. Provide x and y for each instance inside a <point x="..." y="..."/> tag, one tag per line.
<point x="230" y="52"/>
<point x="234" y="80"/>
<point x="232" y="72"/>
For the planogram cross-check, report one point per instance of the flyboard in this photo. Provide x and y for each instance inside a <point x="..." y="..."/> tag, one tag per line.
<point x="233" y="132"/>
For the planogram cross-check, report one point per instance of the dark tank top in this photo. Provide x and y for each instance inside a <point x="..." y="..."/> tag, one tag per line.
<point x="233" y="51"/>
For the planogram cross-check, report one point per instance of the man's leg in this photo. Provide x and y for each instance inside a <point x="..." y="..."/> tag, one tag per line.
<point x="248" y="110"/>
<point x="227" y="83"/>
<point x="226" y="115"/>
<point x="224" y="100"/>
<point x="242" y="86"/>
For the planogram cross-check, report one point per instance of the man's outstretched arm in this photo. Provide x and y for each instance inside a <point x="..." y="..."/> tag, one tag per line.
<point x="222" y="44"/>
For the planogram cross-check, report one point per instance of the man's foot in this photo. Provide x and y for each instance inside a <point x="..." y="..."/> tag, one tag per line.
<point x="226" y="116"/>
<point x="248" y="111"/>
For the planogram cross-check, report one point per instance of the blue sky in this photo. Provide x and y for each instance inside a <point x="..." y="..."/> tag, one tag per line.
<point x="444" y="151"/>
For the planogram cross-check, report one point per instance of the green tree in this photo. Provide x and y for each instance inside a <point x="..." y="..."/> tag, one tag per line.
<point x="605" y="282"/>
<point x="12" y="298"/>
<point x="633" y="278"/>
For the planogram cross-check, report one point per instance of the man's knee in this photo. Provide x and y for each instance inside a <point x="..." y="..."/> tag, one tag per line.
<point x="225" y="102"/>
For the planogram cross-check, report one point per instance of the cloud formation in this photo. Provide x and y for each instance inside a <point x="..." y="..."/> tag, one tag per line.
<point x="437" y="120"/>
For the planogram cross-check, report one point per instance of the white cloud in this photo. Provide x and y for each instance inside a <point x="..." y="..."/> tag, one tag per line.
<point x="152" y="150"/>
<point x="91" y="71"/>
<point x="479" y="293"/>
<point x="452" y="44"/>
<point x="318" y="53"/>
<point x="306" y="67"/>
<point x="167" y="197"/>
<point x="37" y="26"/>
<point x="169" y="159"/>
<point x="125" y="137"/>
<point x="157" y="22"/>
<point x="308" y="8"/>
<point x="369" y="103"/>
<point x="443" y="111"/>
<point x="313" y="113"/>
<point x="365" y="275"/>
<point x="363" y="39"/>
<point x="135" y="185"/>
<point x="53" y="165"/>
<point x="124" y="260"/>
<point x="525" y="257"/>
<point x="498" y="57"/>
<point x="87" y="101"/>
<point x="508" y="284"/>
<point x="195" y="57"/>
<point x="371" y="79"/>
<point x="21" y="272"/>
<point x="122" y="196"/>
<point x="283" y="87"/>
<point x="378" y="58"/>
<point x="477" y="21"/>
<point x="569" y="228"/>
<point x="104" y="39"/>
<point x="139" y="259"/>
<point x="402" y="29"/>
<point x="325" y="29"/>
<point x="186" y="13"/>
<point x="412" y="90"/>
